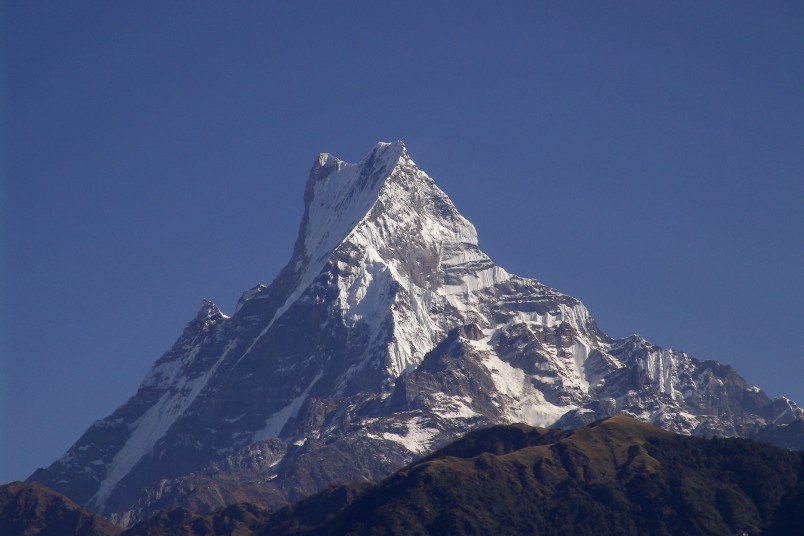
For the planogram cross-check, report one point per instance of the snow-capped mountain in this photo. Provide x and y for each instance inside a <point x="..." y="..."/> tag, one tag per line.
<point x="388" y="334"/>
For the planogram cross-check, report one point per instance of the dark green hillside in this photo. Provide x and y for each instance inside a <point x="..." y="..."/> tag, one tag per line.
<point x="235" y="520"/>
<point x="35" y="510"/>
<point x="615" y="477"/>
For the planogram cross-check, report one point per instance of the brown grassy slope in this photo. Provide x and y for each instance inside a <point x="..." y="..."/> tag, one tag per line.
<point x="615" y="477"/>
<point x="618" y="476"/>
<point x="35" y="510"/>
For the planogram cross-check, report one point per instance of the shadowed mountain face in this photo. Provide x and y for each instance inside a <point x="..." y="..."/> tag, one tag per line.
<point x="388" y="334"/>
<point x="34" y="510"/>
<point x="614" y="477"/>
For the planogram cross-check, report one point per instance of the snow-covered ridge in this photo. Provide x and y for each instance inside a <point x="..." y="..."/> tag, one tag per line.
<point x="395" y="227"/>
<point x="155" y="423"/>
<point x="397" y="254"/>
<point x="338" y="196"/>
<point x="344" y="195"/>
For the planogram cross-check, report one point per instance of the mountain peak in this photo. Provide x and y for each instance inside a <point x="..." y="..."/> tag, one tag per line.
<point x="388" y="333"/>
<point x="393" y="149"/>
<point x="384" y="224"/>
<point x="383" y="155"/>
<point x="339" y="194"/>
<point x="208" y="315"/>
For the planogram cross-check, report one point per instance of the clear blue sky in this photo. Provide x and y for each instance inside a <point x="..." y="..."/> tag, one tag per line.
<point x="645" y="157"/>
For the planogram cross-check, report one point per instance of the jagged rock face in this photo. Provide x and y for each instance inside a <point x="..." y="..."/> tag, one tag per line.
<point x="388" y="334"/>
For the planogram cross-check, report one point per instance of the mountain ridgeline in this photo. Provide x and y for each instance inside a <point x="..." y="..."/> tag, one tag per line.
<point x="613" y="477"/>
<point x="388" y="334"/>
<point x="34" y="510"/>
